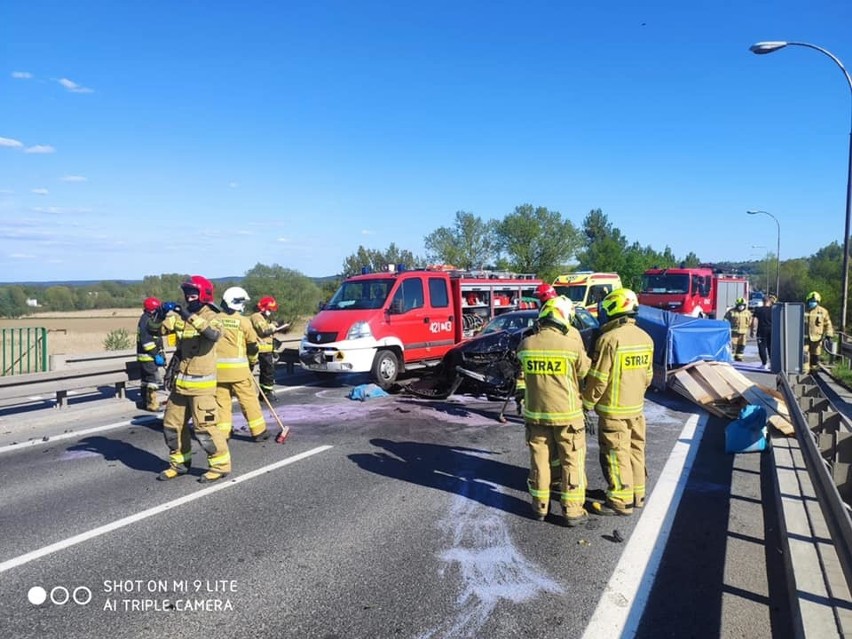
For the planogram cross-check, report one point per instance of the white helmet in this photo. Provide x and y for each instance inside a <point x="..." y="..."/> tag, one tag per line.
<point x="235" y="298"/>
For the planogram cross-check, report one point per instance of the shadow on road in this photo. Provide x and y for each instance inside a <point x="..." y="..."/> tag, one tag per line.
<point x="117" y="450"/>
<point x="457" y="470"/>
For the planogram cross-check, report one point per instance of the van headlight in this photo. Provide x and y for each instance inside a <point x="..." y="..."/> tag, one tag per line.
<point x="359" y="330"/>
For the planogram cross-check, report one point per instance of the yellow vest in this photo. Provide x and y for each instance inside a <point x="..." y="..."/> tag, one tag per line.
<point x="238" y="342"/>
<point x="622" y="370"/>
<point x="197" y="354"/>
<point x="553" y="364"/>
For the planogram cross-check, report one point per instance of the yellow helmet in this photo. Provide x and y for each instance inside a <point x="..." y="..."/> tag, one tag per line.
<point x="622" y="301"/>
<point x="740" y="301"/>
<point x="558" y="311"/>
<point x="813" y="295"/>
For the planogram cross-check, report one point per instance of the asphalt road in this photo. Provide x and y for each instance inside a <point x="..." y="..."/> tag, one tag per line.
<point x="392" y="517"/>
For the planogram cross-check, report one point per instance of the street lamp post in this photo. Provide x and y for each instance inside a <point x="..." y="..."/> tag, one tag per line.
<point x="777" y="251"/>
<point x="769" y="47"/>
<point x="765" y="264"/>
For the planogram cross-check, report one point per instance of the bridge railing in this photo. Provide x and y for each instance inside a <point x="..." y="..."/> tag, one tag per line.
<point x="23" y="350"/>
<point x="825" y="441"/>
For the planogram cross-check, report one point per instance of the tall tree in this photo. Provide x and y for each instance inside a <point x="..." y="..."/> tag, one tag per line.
<point x="377" y="260"/>
<point x="536" y="240"/>
<point x="297" y="294"/>
<point x="470" y="243"/>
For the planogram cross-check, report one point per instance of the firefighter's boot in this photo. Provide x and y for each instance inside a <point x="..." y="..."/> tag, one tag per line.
<point x="152" y="401"/>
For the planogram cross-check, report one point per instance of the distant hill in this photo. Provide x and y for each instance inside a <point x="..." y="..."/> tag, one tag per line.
<point x="74" y="283"/>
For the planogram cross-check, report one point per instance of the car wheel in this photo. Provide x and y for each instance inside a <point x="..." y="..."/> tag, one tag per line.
<point x="385" y="369"/>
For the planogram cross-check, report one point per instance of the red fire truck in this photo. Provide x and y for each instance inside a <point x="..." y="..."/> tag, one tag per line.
<point x="384" y="323"/>
<point x="699" y="292"/>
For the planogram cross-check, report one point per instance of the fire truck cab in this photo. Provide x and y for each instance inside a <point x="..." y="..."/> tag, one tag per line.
<point x="384" y="323"/>
<point x="698" y="292"/>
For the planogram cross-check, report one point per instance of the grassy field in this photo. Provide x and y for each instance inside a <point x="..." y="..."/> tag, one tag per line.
<point x="83" y="332"/>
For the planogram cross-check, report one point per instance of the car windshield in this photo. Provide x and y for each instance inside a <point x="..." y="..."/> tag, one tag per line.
<point x="510" y="322"/>
<point x="583" y="319"/>
<point x="360" y="294"/>
<point x="573" y="293"/>
<point x="665" y="283"/>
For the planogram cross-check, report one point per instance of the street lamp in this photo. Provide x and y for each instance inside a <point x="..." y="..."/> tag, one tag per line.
<point x="765" y="264"/>
<point x="768" y="47"/>
<point x="777" y="252"/>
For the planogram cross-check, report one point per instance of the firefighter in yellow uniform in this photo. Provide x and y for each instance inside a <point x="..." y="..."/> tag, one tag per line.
<point x="236" y="353"/>
<point x="622" y="369"/>
<point x="739" y="317"/>
<point x="818" y="326"/>
<point x="552" y="362"/>
<point x="264" y="328"/>
<point x="194" y="392"/>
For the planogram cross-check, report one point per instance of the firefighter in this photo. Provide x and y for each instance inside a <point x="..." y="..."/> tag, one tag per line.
<point x="615" y="388"/>
<point x="761" y="325"/>
<point x="817" y="327"/>
<point x="236" y="353"/>
<point x="264" y="328"/>
<point x="543" y="293"/>
<point x="553" y="361"/>
<point x="739" y="317"/>
<point x="194" y="392"/>
<point x="149" y="352"/>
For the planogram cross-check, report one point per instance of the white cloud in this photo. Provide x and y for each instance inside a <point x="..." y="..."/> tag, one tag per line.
<point x="40" y="191"/>
<point x="283" y="240"/>
<point x="73" y="87"/>
<point x="22" y="75"/>
<point x="366" y="232"/>
<point x="74" y="178"/>
<point x="243" y="232"/>
<point x="22" y="256"/>
<point x="10" y="143"/>
<point x="233" y="185"/>
<point x="59" y="210"/>
<point x="40" y="148"/>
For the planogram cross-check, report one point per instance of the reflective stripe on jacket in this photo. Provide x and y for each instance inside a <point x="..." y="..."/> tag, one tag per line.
<point x="622" y="369"/>
<point x="552" y="364"/>
<point x="149" y="341"/>
<point x="818" y="324"/>
<point x="236" y="346"/>
<point x="264" y="331"/>
<point x="197" y="354"/>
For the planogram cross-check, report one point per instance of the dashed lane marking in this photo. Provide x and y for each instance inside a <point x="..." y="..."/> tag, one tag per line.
<point x="156" y="510"/>
<point x="139" y="421"/>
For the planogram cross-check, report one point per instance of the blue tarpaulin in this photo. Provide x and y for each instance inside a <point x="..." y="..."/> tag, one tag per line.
<point x="680" y="340"/>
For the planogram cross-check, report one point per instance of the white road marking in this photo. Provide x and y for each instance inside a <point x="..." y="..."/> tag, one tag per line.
<point x="75" y="434"/>
<point x="620" y="609"/>
<point x="156" y="510"/>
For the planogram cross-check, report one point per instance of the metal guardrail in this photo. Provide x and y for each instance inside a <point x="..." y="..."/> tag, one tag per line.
<point x="23" y="350"/>
<point x="826" y="443"/>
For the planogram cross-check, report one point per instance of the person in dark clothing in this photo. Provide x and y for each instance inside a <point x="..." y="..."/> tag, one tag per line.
<point x="761" y="325"/>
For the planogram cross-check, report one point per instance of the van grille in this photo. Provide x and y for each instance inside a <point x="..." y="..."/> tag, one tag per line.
<point x="317" y="337"/>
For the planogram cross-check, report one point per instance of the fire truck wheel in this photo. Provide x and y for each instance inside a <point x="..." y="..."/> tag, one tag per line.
<point x="385" y="369"/>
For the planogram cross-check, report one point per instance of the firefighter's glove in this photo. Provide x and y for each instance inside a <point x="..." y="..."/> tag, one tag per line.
<point x="160" y="359"/>
<point x="591" y="426"/>
<point x="252" y="362"/>
<point x="169" y="306"/>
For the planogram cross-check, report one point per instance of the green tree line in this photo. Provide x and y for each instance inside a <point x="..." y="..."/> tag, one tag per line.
<point x="529" y="239"/>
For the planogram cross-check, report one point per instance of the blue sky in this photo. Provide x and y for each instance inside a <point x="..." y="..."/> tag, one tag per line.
<point x="141" y="138"/>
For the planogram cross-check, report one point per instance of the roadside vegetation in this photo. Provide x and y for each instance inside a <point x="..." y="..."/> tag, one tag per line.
<point x="529" y="239"/>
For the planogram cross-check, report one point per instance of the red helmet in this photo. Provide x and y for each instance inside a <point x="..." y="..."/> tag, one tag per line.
<point x="267" y="303"/>
<point x="545" y="292"/>
<point x="202" y="286"/>
<point x="151" y="304"/>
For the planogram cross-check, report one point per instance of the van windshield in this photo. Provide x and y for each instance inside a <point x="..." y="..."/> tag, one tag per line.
<point x="665" y="283"/>
<point x="360" y="295"/>
<point x="573" y="293"/>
